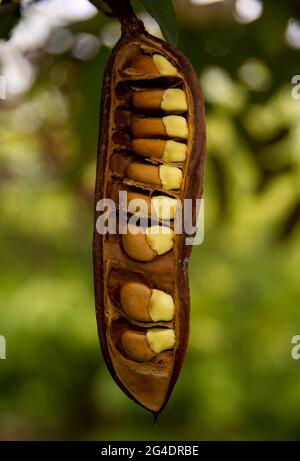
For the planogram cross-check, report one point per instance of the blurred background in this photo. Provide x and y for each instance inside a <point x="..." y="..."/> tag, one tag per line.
<point x="238" y="380"/>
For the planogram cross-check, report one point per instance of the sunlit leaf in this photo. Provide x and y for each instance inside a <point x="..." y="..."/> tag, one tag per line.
<point x="164" y="13"/>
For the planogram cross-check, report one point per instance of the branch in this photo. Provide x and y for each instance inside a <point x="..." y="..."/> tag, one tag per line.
<point x="102" y="6"/>
<point x="7" y="8"/>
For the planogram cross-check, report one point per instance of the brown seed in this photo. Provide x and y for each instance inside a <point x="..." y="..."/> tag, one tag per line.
<point x="147" y="100"/>
<point x="142" y="65"/>
<point x="170" y="151"/>
<point x="143" y="173"/>
<point x="148" y="147"/>
<point x="136" y="346"/>
<point x="159" y="206"/>
<point x="169" y="100"/>
<point x="156" y="64"/>
<point x="142" y="127"/>
<point x="136" y="246"/>
<point x="135" y="298"/>
<point x="138" y="203"/>
<point x="166" y="176"/>
<point x="145" y="244"/>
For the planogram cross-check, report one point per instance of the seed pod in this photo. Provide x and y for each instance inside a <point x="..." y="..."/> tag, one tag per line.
<point x="151" y="145"/>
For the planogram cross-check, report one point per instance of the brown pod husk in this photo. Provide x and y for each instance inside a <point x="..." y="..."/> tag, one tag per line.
<point x="148" y="383"/>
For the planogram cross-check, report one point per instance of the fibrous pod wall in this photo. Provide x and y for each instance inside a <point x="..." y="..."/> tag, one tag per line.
<point x="151" y="146"/>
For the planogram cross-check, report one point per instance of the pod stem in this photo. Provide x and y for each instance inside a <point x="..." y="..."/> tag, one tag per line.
<point x="123" y="10"/>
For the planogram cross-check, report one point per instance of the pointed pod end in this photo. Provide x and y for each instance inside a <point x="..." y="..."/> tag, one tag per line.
<point x="155" y="417"/>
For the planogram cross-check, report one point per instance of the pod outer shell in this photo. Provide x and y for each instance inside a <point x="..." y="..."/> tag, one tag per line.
<point x="194" y="190"/>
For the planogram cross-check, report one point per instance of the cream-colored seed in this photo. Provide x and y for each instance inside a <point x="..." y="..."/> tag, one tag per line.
<point x="161" y="339"/>
<point x="170" y="177"/>
<point x="160" y="238"/>
<point x="175" y="126"/>
<point x="163" y="65"/>
<point x="174" y="151"/>
<point x="174" y="100"/>
<point x="161" y="306"/>
<point x="163" y="207"/>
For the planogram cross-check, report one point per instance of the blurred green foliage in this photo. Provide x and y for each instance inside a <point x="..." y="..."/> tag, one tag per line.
<point x="238" y="380"/>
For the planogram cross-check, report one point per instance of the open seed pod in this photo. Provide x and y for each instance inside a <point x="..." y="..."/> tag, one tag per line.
<point x="152" y="146"/>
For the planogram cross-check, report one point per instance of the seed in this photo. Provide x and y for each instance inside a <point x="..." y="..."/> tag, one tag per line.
<point x="170" y="100"/>
<point x="136" y="245"/>
<point x="143" y="173"/>
<point x="164" y="66"/>
<point x="135" y="298"/>
<point x="160" y="238"/>
<point x="174" y="151"/>
<point x="170" y="151"/>
<point x="136" y="346"/>
<point x="145" y="244"/>
<point x="172" y="125"/>
<point x="174" y="100"/>
<point x="159" y="207"/>
<point x="138" y="203"/>
<point x="147" y="100"/>
<point x="160" y="339"/>
<point x="161" y="306"/>
<point x="149" y="147"/>
<point x="142" y="127"/>
<point x="163" y="207"/>
<point x="155" y="64"/>
<point x="142" y="347"/>
<point x="142" y="65"/>
<point x="170" y="177"/>
<point x="144" y="304"/>
<point x="175" y="126"/>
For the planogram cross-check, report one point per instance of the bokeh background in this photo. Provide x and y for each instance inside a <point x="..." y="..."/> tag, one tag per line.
<point x="238" y="380"/>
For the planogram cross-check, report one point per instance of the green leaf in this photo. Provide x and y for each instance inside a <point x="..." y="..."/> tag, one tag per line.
<point x="164" y="13"/>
